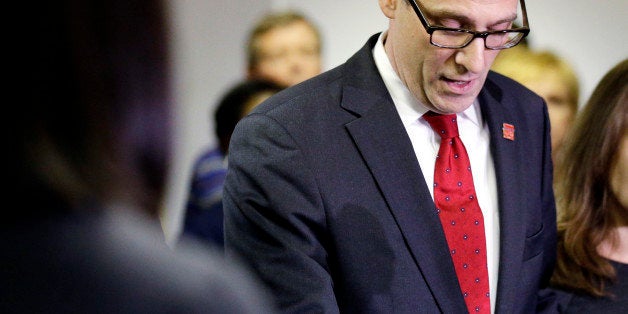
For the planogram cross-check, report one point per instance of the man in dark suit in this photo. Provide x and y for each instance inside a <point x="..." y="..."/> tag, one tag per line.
<point x="329" y="195"/>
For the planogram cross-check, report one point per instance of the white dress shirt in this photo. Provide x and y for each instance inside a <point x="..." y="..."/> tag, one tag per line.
<point x="475" y="136"/>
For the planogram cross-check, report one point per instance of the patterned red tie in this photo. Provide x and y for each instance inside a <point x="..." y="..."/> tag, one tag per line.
<point x="460" y="214"/>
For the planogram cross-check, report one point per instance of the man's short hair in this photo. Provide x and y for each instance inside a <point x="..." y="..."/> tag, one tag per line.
<point x="270" y="22"/>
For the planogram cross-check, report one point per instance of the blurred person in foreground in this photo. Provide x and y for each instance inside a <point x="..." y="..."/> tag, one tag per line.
<point x="408" y="179"/>
<point x="548" y="75"/>
<point x="592" y="196"/>
<point x="284" y="47"/>
<point x="203" y="212"/>
<point x="90" y="145"/>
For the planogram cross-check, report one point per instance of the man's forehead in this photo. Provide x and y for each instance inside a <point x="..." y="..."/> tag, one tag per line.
<point x="467" y="3"/>
<point x="491" y="1"/>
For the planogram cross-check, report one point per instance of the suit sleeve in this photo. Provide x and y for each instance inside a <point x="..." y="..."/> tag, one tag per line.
<point x="274" y="217"/>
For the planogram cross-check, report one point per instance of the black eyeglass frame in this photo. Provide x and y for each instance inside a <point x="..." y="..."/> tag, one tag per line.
<point x="524" y="29"/>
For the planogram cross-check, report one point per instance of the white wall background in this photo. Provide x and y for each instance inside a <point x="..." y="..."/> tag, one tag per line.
<point x="208" y="56"/>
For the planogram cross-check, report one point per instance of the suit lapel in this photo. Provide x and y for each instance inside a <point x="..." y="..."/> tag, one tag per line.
<point x="382" y="140"/>
<point x="505" y="154"/>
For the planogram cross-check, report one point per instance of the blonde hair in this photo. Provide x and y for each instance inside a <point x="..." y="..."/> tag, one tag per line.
<point x="525" y="65"/>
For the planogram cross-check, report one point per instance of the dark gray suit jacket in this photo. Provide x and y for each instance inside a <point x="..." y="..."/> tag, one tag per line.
<point x="326" y="201"/>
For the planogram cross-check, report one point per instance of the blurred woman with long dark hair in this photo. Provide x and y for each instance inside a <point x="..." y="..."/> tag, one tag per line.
<point x="592" y="198"/>
<point x="87" y="161"/>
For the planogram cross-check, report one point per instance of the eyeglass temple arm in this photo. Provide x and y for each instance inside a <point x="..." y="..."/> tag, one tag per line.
<point x="525" y="14"/>
<point x="415" y="6"/>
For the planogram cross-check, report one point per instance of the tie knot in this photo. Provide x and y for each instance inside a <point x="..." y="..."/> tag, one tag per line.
<point x="445" y="125"/>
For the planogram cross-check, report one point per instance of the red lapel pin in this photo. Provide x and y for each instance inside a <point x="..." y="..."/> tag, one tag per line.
<point x="508" y="131"/>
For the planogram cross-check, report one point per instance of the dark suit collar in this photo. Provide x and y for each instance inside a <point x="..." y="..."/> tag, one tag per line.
<point x="363" y="85"/>
<point x="386" y="148"/>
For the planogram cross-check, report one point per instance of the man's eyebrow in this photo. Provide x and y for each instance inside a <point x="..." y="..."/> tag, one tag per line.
<point x="506" y="20"/>
<point x="444" y="13"/>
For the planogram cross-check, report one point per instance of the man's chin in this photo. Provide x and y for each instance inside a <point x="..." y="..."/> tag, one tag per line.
<point x="447" y="104"/>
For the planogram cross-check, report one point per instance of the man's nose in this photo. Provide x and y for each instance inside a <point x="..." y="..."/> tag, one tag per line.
<point x="471" y="57"/>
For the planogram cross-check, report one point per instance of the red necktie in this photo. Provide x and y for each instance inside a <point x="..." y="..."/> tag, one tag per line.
<point x="460" y="214"/>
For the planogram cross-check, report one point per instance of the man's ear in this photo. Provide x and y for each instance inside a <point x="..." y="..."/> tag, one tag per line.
<point x="389" y="7"/>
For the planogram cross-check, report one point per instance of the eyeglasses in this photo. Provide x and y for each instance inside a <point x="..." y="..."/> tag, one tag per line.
<point x="456" y="38"/>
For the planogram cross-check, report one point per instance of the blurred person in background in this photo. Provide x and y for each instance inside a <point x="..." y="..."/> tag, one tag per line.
<point x="592" y="198"/>
<point x="284" y="47"/>
<point x="87" y="159"/>
<point x="203" y="212"/>
<point x="550" y="76"/>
